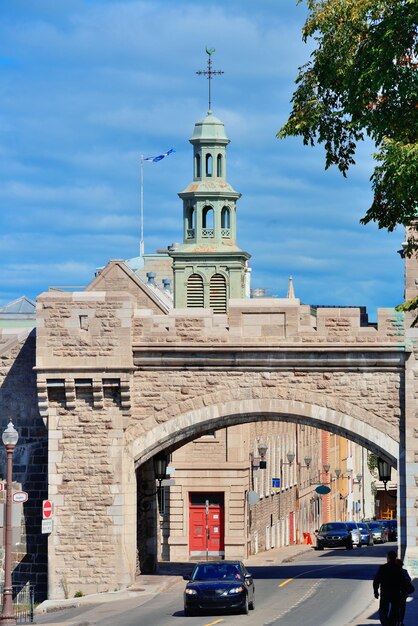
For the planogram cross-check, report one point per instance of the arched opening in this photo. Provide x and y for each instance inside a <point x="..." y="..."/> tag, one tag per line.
<point x="281" y="478"/>
<point x="209" y="165"/>
<point x="195" y="294"/>
<point x="207" y="222"/>
<point x="190" y="222"/>
<point x="217" y="294"/>
<point x="198" y="172"/>
<point x="219" y="172"/>
<point x="225" y="217"/>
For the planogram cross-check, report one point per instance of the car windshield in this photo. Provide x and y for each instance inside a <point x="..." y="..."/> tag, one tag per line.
<point x="216" y="572"/>
<point x="332" y="526"/>
<point x="352" y="525"/>
<point x="374" y="525"/>
<point x="362" y="526"/>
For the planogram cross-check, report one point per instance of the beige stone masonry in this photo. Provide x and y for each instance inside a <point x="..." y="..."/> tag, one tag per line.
<point x="267" y="321"/>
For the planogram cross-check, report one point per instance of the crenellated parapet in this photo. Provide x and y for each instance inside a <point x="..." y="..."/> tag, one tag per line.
<point x="270" y="321"/>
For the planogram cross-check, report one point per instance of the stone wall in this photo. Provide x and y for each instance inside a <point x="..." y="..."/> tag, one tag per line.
<point x="18" y="403"/>
<point x="364" y="395"/>
<point x="268" y="321"/>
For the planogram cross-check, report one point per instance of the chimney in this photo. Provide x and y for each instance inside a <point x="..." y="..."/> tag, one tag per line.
<point x="151" y="278"/>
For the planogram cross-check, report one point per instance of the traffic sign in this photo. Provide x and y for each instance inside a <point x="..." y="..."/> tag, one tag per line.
<point x="47" y="509"/>
<point x="20" y="496"/>
<point x="275" y="484"/>
<point x="47" y="526"/>
<point x="252" y="497"/>
<point x="323" y="489"/>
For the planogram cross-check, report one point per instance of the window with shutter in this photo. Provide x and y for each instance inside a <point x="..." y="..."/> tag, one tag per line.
<point x="217" y="294"/>
<point x="195" y="291"/>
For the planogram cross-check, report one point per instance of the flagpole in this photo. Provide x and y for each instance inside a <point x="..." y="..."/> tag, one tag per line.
<point x="141" y="243"/>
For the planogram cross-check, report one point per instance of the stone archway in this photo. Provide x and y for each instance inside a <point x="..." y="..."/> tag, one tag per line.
<point x="193" y="424"/>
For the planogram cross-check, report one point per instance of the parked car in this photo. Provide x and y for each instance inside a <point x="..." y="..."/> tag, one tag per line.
<point x="334" y="535"/>
<point x="217" y="585"/>
<point x="355" y="533"/>
<point x="392" y="527"/>
<point x="380" y="533"/>
<point x="366" y="534"/>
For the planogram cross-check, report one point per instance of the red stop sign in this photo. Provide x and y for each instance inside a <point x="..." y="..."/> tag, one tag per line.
<point x="47" y="509"/>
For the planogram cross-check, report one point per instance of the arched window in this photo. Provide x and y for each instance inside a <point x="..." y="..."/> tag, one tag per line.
<point x="209" y="165"/>
<point x="197" y="165"/>
<point x="190" y="222"/>
<point x="217" y="293"/>
<point x="207" y="217"/>
<point x="195" y="292"/>
<point x="190" y="217"/>
<point x="219" y="166"/>
<point x="225" y="218"/>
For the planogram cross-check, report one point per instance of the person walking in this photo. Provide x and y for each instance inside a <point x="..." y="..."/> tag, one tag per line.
<point x="409" y="588"/>
<point x="391" y="582"/>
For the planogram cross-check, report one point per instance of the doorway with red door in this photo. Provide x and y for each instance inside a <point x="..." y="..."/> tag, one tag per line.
<point x="206" y="525"/>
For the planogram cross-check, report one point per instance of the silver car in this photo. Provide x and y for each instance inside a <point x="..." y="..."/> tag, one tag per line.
<point x="366" y="534"/>
<point x="380" y="533"/>
<point x="355" y="533"/>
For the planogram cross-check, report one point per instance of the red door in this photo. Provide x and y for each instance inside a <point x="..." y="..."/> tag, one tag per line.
<point x="206" y="529"/>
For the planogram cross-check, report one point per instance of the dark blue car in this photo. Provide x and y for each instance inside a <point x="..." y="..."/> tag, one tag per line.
<point x="219" y="585"/>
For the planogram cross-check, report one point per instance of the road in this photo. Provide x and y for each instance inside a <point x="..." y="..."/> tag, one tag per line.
<point x="329" y="588"/>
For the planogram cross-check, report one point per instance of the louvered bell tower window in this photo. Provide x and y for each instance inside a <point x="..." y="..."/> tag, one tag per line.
<point x="195" y="291"/>
<point x="217" y="294"/>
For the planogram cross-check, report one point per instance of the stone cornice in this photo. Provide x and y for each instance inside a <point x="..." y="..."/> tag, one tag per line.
<point x="313" y="358"/>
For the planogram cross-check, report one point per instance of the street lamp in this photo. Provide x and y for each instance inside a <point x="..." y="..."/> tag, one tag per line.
<point x="384" y="470"/>
<point x="160" y="463"/>
<point x="10" y="438"/>
<point x="262" y="451"/>
<point x="308" y="461"/>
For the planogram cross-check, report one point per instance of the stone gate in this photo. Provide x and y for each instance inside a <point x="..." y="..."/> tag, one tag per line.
<point x="121" y="377"/>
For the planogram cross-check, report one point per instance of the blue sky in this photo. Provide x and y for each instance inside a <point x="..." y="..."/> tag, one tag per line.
<point x="87" y="86"/>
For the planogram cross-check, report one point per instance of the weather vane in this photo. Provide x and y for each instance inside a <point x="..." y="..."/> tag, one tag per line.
<point x="209" y="72"/>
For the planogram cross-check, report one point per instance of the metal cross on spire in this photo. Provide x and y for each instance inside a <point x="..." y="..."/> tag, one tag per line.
<point x="209" y="72"/>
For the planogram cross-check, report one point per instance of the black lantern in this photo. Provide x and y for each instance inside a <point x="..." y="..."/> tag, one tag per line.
<point x="262" y="451"/>
<point x="160" y="462"/>
<point x="384" y="470"/>
<point x="160" y="467"/>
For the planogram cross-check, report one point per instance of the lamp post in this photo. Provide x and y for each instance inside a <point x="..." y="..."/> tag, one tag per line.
<point x="290" y="458"/>
<point x="160" y="463"/>
<point x="10" y="438"/>
<point x="299" y="522"/>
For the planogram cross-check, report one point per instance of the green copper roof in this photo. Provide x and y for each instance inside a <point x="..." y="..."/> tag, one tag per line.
<point x="210" y="128"/>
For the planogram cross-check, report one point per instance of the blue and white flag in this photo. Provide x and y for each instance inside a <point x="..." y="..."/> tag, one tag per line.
<point x="160" y="156"/>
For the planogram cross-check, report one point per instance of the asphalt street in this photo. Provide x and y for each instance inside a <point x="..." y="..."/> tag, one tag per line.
<point x="329" y="588"/>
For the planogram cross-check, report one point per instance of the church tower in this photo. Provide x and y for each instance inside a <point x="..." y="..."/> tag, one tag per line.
<point x="209" y="268"/>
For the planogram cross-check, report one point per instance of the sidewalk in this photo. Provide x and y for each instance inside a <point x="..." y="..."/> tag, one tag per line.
<point x="170" y="574"/>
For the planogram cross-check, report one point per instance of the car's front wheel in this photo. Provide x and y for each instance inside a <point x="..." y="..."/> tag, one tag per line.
<point x="245" y="608"/>
<point x="252" y="603"/>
